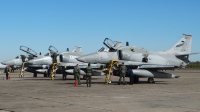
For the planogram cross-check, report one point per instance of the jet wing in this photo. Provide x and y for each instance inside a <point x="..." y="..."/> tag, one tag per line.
<point x="142" y="65"/>
<point x="82" y="65"/>
<point x="157" y="67"/>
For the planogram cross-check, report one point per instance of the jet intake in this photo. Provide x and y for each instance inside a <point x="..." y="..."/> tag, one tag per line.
<point x="120" y="55"/>
<point x="61" y="58"/>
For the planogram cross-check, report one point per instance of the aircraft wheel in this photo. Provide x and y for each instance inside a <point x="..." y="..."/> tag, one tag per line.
<point x="84" y="77"/>
<point x="151" y="80"/>
<point x="45" y="74"/>
<point x="35" y="75"/>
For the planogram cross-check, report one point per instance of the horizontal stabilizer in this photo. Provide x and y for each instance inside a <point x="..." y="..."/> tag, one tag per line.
<point x="187" y="54"/>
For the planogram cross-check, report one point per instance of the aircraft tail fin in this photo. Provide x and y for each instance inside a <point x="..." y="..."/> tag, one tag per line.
<point x="77" y="49"/>
<point x="183" y="47"/>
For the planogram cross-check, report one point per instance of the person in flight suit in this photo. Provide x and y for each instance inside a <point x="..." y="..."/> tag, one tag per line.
<point x="76" y="72"/>
<point x="64" y="73"/>
<point x="89" y="75"/>
<point x="7" y="72"/>
<point x="122" y="71"/>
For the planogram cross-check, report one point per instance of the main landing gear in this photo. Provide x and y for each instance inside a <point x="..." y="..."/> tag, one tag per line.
<point x="151" y="80"/>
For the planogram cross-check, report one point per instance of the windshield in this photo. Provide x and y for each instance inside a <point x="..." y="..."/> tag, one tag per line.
<point x="17" y="57"/>
<point x="47" y="54"/>
<point x="52" y="49"/>
<point x="109" y="43"/>
<point x="28" y="50"/>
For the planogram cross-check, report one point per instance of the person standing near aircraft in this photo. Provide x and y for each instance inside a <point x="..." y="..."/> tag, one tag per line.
<point x="122" y="71"/>
<point x="89" y="75"/>
<point x="64" y="73"/>
<point x="7" y="72"/>
<point x="131" y="75"/>
<point x="13" y="69"/>
<point x="76" y="72"/>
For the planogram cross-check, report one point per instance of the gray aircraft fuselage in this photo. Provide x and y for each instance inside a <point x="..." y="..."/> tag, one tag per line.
<point x="136" y="56"/>
<point x="13" y="62"/>
<point x="65" y="57"/>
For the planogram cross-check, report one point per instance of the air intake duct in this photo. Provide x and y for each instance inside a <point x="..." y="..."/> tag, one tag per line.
<point x="61" y="58"/>
<point x="120" y="54"/>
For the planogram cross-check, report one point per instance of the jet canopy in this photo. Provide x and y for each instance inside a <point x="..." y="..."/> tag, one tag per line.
<point x="112" y="45"/>
<point x="28" y="50"/>
<point x="54" y="53"/>
<point x="17" y="57"/>
<point x="52" y="49"/>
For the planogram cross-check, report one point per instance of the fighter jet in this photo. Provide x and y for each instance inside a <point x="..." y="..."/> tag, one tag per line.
<point x="17" y="62"/>
<point x="65" y="58"/>
<point x="33" y="55"/>
<point x="144" y="63"/>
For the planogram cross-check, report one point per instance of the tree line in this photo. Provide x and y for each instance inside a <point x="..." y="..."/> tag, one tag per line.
<point x="194" y="65"/>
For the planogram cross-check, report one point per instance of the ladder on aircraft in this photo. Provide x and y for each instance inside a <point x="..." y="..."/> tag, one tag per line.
<point x="109" y="70"/>
<point x="54" y="67"/>
<point x="22" y="70"/>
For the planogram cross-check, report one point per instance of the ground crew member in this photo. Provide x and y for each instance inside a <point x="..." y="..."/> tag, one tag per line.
<point x="7" y="72"/>
<point x="76" y="72"/>
<point x="64" y="73"/>
<point x="13" y="69"/>
<point x="131" y="75"/>
<point x="89" y="75"/>
<point x="122" y="71"/>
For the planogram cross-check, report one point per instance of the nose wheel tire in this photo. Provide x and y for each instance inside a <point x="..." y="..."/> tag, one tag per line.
<point x="45" y="74"/>
<point x="84" y="77"/>
<point x="151" y="80"/>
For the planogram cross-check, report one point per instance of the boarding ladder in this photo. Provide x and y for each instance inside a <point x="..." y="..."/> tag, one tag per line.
<point x="22" y="70"/>
<point x="109" y="70"/>
<point x="54" y="67"/>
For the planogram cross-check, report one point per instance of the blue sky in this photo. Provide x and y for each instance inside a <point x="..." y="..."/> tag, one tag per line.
<point x="152" y="24"/>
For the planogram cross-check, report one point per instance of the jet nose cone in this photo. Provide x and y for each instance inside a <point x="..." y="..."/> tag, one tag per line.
<point x="3" y="63"/>
<point x="8" y="63"/>
<point x="81" y="59"/>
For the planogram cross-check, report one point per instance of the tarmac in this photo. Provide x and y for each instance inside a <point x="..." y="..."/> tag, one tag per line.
<point x="30" y="94"/>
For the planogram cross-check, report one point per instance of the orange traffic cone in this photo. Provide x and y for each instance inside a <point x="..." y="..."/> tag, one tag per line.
<point x="75" y="83"/>
<point x="8" y="77"/>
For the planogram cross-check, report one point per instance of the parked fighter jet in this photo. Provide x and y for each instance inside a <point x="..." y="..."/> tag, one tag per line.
<point x="143" y="62"/>
<point x="66" y="58"/>
<point x="19" y="59"/>
<point x="33" y="55"/>
<point x="17" y="62"/>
